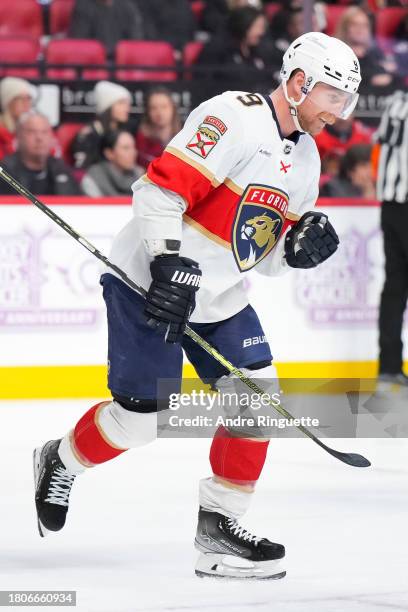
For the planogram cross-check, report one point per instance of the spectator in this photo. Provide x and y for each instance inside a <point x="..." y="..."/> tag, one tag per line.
<point x="160" y="123"/>
<point x="108" y="21"/>
<point x="354" y="28"/>
<point x="400" y="47"/>
<point x="239" y="46"/>
<point x="172" y="21"/>
<point x="33" y="165"/>
<point x="216" y="13"/>
<point x="355" y="178"/>
<point x="114" y="175"/>
<point x="335" y="139"/>
<point x="112" y="103"/>
<point x="16" y="98"/>
<point x="287" y="24"/>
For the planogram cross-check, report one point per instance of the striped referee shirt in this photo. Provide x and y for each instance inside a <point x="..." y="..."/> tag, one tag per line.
<point x="392" y="134"/>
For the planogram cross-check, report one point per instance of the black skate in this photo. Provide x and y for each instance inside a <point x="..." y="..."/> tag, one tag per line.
<point x="52" y="488"/>
<point x="229" y="551"/>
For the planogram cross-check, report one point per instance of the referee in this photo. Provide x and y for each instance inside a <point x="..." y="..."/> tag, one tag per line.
<point x="392" y="191"/>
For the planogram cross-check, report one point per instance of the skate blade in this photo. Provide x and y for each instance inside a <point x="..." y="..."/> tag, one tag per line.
<point x="235" y="568"/>
<point x="36" y="465"/>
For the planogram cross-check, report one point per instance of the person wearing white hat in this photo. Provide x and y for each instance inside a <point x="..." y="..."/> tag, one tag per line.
<point x="16" y="98"/>
<point x="112" y="106"/>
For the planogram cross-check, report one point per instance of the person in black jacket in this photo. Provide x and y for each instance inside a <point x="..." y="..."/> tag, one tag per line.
<point x="108" y="21"/>
<point x="216" y="13"/>
<point x="240" y="47"/>
<point x="33" y="165"/>
<point x="169" y="20"/>
<point x="112" y="107"/>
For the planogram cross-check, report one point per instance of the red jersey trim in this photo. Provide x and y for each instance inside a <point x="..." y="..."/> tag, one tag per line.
<point x="171" y="171"/>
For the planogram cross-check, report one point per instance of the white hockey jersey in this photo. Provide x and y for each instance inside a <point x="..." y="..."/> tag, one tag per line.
<point x="227" y="186"/>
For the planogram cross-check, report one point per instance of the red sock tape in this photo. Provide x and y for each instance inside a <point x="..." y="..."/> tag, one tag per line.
<point x="237" y="459"/>
<point x="91" y="443"/>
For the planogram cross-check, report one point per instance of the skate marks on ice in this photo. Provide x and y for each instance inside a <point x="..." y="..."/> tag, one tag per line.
<point x="128" y="542"/>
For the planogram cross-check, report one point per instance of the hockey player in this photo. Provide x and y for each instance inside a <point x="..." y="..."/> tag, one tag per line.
<point x="233" y="191"/>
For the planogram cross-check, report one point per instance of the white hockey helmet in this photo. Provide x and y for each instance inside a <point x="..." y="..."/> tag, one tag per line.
<point x="323" y="59"/>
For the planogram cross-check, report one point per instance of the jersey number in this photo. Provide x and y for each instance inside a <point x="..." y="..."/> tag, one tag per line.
<point x="250" y="99"/>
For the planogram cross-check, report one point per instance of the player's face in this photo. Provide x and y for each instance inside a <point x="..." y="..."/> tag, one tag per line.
<point x="323" y="105"/>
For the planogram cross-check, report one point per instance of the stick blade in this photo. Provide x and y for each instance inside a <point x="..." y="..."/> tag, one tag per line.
<point x="352" y="459"/>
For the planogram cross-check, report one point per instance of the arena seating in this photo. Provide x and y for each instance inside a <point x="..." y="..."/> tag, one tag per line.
<point x="143" y="53"/>
<point x="190" y="54"/>
<point x="65" y="134"/>
<point x="198" y="7"/>
<point x="60" y="16"/>
<point x="79" y="52"/>
<point x="270" y="9"/>
<point x="21" y="18"/>
<point x="22" y="41"/>
<point x="333" y="14"/>
<point x="388" y="19"/>
<point x="19" y="51"/>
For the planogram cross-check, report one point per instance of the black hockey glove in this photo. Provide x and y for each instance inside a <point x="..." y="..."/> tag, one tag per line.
<point x="171" y="296"/>
<point x="312" y="240"/>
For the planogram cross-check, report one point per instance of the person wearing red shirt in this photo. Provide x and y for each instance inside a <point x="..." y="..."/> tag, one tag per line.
<point x="158" y="126"/>
<point x="336" y="139"/>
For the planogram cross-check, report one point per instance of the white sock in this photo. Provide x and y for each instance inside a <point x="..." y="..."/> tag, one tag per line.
<point x="125" y="428"/>
<point x="68" y="458"/>
<point x="213" y="496"/>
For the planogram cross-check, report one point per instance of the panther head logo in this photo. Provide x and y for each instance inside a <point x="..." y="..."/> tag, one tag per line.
<point x="260" y="232"/>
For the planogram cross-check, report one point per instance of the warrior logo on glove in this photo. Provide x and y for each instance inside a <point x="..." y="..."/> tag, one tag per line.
<point x="171" y="296"/>
<point x="185" y="278"/>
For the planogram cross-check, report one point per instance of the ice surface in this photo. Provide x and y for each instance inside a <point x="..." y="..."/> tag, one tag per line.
<point x="127" y="545"/>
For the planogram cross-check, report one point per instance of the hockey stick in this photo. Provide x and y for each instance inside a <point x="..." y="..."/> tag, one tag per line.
<point x="352" y="459"/>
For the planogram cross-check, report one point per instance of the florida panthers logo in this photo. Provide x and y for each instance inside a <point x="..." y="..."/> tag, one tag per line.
<point x="258" y="223"/>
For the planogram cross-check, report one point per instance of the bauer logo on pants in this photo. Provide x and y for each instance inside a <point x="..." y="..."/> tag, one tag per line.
<point x="258" y="223"/>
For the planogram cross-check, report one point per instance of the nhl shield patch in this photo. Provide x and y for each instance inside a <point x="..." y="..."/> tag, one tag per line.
<point x="258" y="224"/>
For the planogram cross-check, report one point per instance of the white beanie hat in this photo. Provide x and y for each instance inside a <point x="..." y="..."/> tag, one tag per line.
<point x="106" y="94"/>
<point x="11" y="87"/>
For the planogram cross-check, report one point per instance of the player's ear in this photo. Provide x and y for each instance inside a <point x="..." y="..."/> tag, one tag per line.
<point x="295" y="84"/>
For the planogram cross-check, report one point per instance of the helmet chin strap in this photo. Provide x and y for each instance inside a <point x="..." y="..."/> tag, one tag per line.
<point x="292" y="106"/>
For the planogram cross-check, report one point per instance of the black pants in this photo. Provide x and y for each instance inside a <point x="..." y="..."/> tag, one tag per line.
<point x="394" y="224"/>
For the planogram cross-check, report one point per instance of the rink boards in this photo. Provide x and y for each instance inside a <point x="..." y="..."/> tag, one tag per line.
<point x="320" y="322"/>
